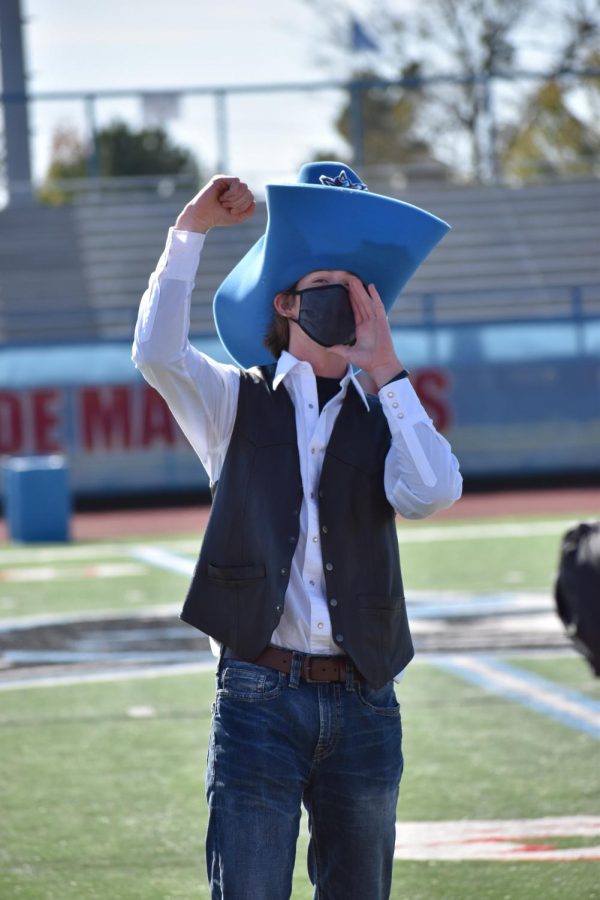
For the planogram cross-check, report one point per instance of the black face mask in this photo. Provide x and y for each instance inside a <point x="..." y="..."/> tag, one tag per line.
<point x="326" y="315"/>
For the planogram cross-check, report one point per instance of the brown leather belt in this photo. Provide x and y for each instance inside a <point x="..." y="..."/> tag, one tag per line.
<point x="313" y="668"/>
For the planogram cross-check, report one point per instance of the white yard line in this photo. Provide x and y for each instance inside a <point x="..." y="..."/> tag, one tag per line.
<point x="408" y="533"/>
<point x="163" y="558"/>
<point x="502" y="840"/>
<point x="484" y="531"/>
<point x="77" y="552"/>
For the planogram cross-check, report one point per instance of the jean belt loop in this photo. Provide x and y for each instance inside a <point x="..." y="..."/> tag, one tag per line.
<point x="349" y="674"/>
<point x="222" y="653"/>
<point x="295" y="670"/>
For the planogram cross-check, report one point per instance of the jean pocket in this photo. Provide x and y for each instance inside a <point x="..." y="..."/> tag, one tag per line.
<point x="382" y="700"/>
<point x="245" y="681"/>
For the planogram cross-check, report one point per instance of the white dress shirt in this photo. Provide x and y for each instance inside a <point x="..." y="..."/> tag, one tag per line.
<point x="421" y="473"/>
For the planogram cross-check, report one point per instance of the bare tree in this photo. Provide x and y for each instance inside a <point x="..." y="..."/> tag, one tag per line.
<point x="464" y="50"/>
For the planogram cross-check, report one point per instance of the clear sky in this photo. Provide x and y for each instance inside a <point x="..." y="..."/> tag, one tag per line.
<point x="153" y="44"/>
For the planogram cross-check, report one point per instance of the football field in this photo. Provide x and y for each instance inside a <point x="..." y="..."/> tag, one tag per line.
<point x="105" y="704"/>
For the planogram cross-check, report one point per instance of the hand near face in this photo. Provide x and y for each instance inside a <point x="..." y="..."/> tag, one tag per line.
<point x="374" y="350"/>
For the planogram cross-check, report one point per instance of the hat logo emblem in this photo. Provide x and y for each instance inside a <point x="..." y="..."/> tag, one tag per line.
<point x="342" y="180"/>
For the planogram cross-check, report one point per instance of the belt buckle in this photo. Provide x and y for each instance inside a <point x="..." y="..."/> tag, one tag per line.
<point x="309" y="668"/>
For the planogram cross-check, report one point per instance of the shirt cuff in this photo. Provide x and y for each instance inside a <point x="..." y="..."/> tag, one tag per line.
<point x="401" y="403"/>
<point x="403" y="410"/>
<point x="182" y="254"/>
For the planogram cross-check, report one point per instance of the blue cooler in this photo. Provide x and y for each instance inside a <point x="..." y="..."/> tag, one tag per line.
<point x="37" y="502"/>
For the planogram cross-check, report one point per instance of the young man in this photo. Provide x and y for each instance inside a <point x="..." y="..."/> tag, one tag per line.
<point x="298" y="581"/>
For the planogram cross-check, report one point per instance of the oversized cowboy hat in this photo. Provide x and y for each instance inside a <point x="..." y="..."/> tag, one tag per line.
<point x="327" y="220"/>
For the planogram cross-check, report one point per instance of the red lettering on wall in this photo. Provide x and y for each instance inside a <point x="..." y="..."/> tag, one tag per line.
<point x="430" y="385"/>
<point x="45" y="421"/>
<point x="158" y="425"/>
<point x="11" y="424"/>
<point x="105" y="417"/>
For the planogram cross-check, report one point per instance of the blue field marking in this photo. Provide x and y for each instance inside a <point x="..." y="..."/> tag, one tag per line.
<point x="64" y="657"/>
<point x="61" y="679"/>
<point x="455" y="605"/>
<point x="532" y="691"/>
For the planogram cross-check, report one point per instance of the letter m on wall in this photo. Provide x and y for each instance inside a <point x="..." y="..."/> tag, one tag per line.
<point x="105" y="416"/>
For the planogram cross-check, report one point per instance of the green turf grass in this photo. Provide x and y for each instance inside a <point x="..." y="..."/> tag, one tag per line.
<point x="97" y="804"/>
<point x="491" y="565"/>
<point x="153" y="588"/>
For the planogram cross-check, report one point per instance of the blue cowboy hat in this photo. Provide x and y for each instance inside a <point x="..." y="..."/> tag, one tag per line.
<point x="327" y="220"/>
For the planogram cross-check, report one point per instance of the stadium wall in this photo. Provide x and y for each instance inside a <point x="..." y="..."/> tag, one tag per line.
<point x="504" y="419"/>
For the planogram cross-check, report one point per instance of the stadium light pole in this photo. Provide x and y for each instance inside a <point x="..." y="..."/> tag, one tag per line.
<point x="16" y="126"/>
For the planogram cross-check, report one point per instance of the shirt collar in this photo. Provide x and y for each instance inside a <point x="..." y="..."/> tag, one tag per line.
<point x="287" y="362"/>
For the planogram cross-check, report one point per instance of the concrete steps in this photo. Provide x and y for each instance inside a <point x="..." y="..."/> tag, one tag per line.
<point x="79" y="271"/>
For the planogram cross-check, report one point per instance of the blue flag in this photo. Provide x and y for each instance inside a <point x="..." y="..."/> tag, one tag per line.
<point x="359" y="39"/>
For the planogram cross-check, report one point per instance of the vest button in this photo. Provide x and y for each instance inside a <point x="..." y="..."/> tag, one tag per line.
<point x="278" y="608"/>
<point x="292" y="539"/>
<point x="284" y="571"/>
<point x="321" y="494"/>
<point x="329" y="567"/>
<point x="339" y="638"/>
<point x="324" y="529"/>
<point x="333" y="602"/>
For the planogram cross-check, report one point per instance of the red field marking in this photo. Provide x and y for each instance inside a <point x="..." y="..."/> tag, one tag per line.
<point x="578" y="502"/>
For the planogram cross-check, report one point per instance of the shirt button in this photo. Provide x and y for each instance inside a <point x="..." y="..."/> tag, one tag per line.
<point x="329" y="567"/>
<point x="400" y="415"/>
<point x="339" y="638"/>
<point x="311" y="582"/>
<point x="390" y="393"/>
<point x="320" y="625"/>
<point x="312" y="495"/>
<point x="311" y="406"/>
<point x="312" y="450"/>
<point x="324" y="529"/>
<point x="315" y="539"/>
<point x="333" y="602"/>
<point x="395" y="404"/>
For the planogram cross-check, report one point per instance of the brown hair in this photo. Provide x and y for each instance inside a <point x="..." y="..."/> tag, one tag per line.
<point x="277" y="337"/>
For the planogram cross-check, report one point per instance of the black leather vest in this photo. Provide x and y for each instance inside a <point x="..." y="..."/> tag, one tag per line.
<point x="237" y="592"/>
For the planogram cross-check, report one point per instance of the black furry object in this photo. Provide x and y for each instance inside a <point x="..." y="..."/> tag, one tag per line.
<point x="577" y="589"/>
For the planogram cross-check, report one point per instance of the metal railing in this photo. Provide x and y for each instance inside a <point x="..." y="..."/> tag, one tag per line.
<point x="350" y="91"/>
<point x="576" y="304"/>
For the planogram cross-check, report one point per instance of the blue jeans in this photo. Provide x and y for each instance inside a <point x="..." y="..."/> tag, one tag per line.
<point x="277" y="742"/>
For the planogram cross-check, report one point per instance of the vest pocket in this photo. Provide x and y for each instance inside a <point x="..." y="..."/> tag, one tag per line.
<point x="381" y="619"/>
<point x="235" y="576"/>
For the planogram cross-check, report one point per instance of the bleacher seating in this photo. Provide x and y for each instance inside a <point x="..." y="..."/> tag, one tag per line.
<point x="78" y="271"/>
